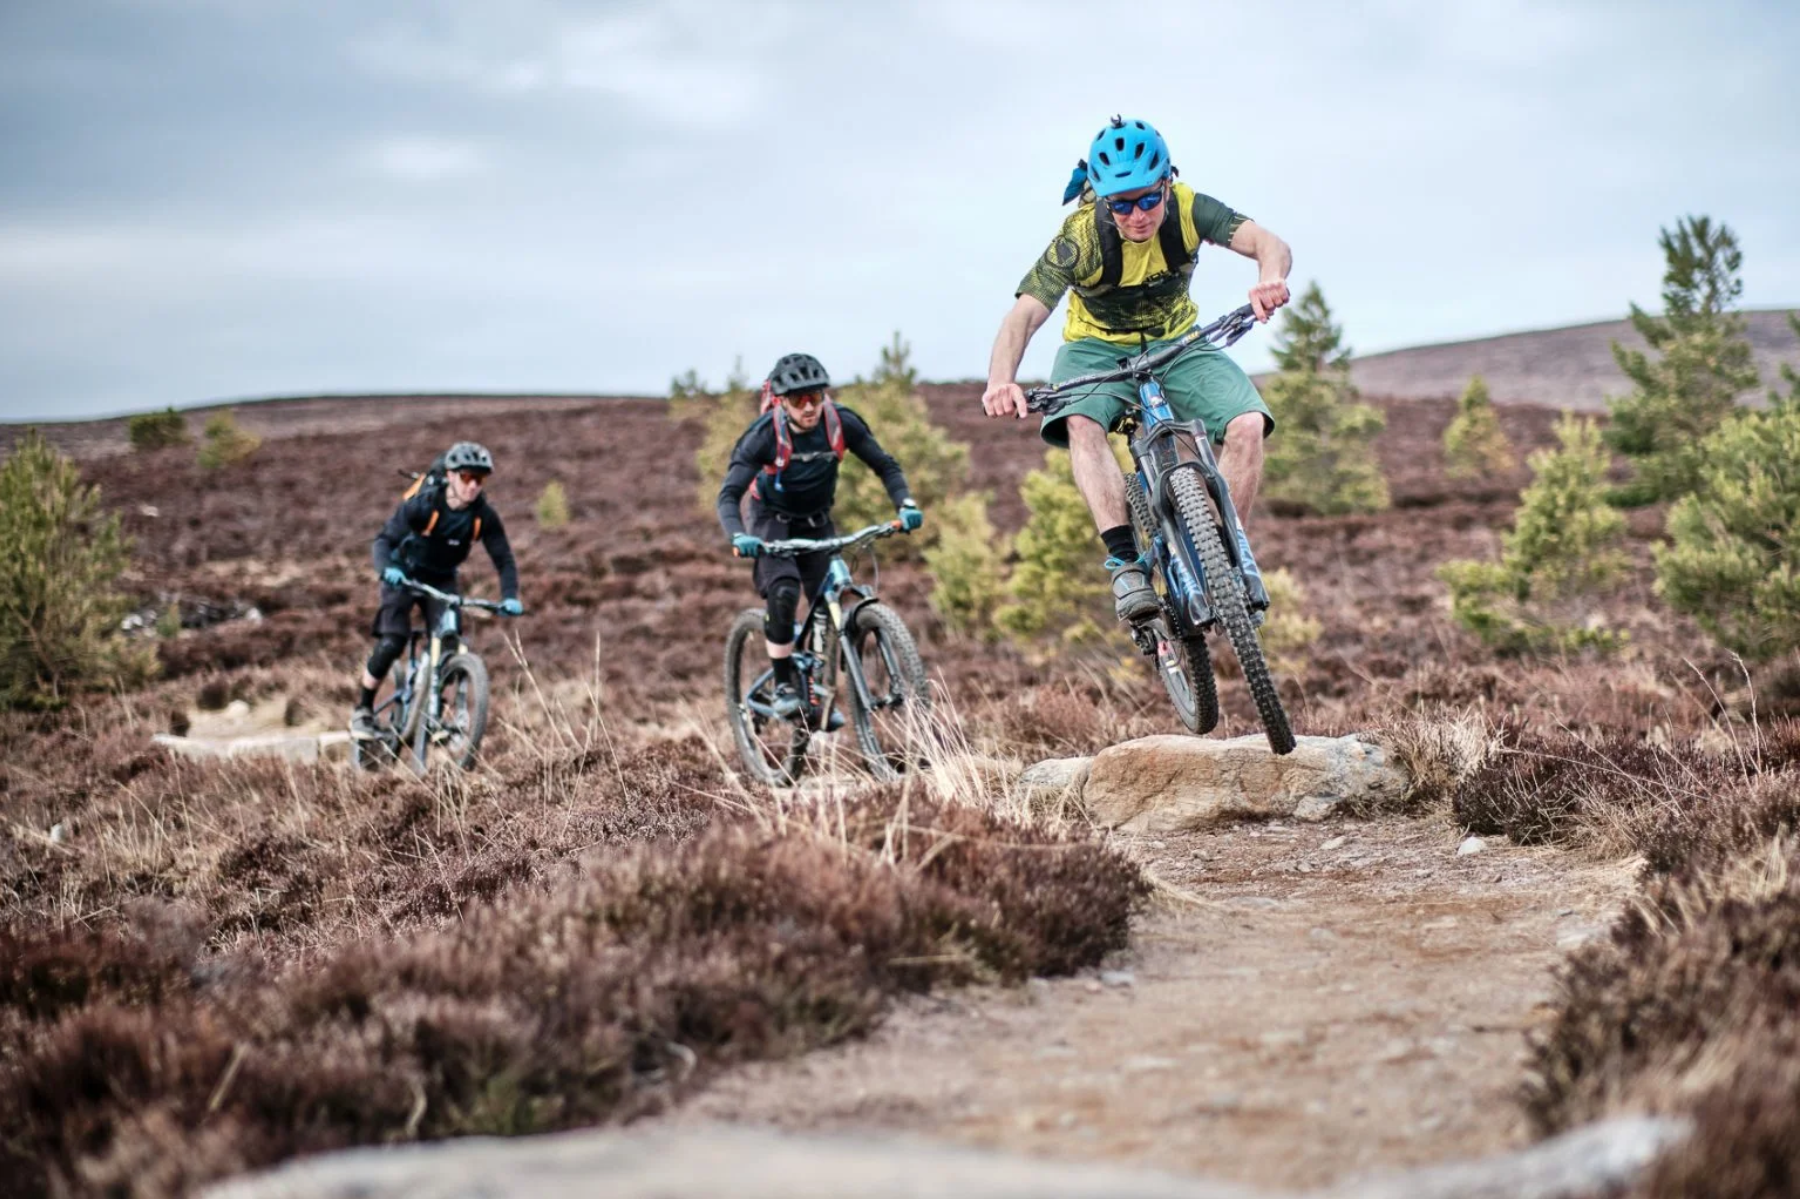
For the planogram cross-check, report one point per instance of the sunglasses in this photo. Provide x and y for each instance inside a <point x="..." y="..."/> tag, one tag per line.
<point x="1142" y="203"/>
<point x="805" y="399"/>
<point x="471" y="477"/>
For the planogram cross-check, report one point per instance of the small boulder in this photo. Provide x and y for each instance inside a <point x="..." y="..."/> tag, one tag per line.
<point x="1169" y="784"/>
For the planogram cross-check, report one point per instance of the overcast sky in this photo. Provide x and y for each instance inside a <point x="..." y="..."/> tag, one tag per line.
<point x="211" y="199"/>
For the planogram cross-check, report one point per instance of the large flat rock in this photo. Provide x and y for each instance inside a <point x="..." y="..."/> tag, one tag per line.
<point x="756" y="1164"/>
<point x="1170" y="784"/>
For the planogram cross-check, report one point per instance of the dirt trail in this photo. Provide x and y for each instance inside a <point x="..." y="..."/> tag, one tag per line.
<point x="1344" y="999"/>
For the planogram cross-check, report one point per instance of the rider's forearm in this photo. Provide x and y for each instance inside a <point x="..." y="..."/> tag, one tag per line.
<point x="1015" y="334"/>
<point x="1274" y="260"/>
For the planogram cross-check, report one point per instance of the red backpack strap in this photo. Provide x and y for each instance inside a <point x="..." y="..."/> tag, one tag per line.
<point x="834" y="429"/>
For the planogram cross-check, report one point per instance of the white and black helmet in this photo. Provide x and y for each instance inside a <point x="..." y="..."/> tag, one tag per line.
<point x="798" y="372"/>
<point x="469" y="455"/>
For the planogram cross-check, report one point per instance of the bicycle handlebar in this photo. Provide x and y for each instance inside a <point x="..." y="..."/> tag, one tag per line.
<point x="1221" y="333"/>
<point x="451" y="598"/>
<point x="830" y="545"/>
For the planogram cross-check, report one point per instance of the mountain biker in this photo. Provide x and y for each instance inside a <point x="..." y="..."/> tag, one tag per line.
<point x="427" y="538"/>
<point x="788" y="462"/>
<point x="1127" y="253"/>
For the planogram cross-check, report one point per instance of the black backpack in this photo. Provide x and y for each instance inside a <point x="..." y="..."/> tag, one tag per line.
<point x="432" y="478"/>
<point x="1112" y="259"/>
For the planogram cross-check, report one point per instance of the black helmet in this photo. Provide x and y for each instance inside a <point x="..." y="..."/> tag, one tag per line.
<point x="798" y="372"/>
<point x="468" y="455"/>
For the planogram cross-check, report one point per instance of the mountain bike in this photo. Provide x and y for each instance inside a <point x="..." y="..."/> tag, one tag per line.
<point x="441" y="698"/>
<point x="849" y="648"/>
<point x="1189" y="535"/>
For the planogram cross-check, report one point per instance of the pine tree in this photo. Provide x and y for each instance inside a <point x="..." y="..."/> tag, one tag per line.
<point x="1732" y="560"/>
<point x="60" y="556"/>
<point x="936" y="465"/>
<point x="1562" y="550"/>
<point x="1474" y="444"/>
<point x="968" y="567"/>
<point x="1703" y="364"/>
<point x="1322" y="457"/>
<point x="1056" y="582"/>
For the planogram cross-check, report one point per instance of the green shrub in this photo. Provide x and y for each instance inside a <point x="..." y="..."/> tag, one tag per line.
<point x="60" y="556"/>
<point x="552" y="506"/>
<point x="1733" y="560"/>
<point x="157" y="430"/>
<point x="968" y="567"/>
<point x="1322" y="456"/>
<point x="724" y="415"/>
<point x="1057" y="583"/>
<point x="1474" y="443"/>
<point x="1288" y="632"/>
<point x="936" y="465"/>
<point x="1703" y="364"/>
<point x="1563" y="548"/>
<point x="225" y="443"/>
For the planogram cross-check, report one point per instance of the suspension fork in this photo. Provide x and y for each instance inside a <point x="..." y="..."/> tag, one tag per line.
<point x="837" y="578"/>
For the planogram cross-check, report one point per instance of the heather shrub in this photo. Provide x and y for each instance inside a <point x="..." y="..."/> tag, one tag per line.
<point x="1732" y="561"/>
<point x="968" y="567"/>
<point x="552" y="508"/>
<point x="157" y="430"/>
<point x="1561" y="551"/>
<point x="1474" y="444"/>
<point x="1322" y="456"/>
<point x="60" y="559"/>
<point x="225" y="443"/>
<point x="1702" y="365"/>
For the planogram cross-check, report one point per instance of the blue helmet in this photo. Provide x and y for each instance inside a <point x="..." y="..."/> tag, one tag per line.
<point x="1125" y="156"/>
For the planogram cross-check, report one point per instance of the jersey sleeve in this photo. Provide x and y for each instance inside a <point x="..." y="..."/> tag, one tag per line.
<point x="1071" y="256"/>
<point x="493" y="538"/>
<point x="1211" y="221"/>
<point x="859" y="439"/>
<point x="753" y="451"/>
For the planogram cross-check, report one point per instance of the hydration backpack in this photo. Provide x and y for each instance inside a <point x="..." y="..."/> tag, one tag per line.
<point x="784" y="441"/>
<point x="431" y="483"/>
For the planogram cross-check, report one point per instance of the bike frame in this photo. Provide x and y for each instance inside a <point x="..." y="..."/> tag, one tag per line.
<point x="447" y="630"/>
<point x="827" y="600"/>
<point x="1161" y="447"/>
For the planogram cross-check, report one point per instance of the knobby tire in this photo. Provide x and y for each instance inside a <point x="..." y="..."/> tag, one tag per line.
<point x="1226" y="591"/>
<point x="744" y="660"/>
<point x="1199" y="709"/>
<point x="875" y="621"/>
<point x="471" y="672"/>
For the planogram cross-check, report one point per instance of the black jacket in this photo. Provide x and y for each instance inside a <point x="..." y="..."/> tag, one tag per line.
<point x="809" y="484"/>
<point x="428" y="539"/>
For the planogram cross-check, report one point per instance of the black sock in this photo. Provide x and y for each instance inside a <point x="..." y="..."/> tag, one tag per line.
<point x="1119" y="543"/>
<point x="368" y="698"/>
<point x="785" y="672"/>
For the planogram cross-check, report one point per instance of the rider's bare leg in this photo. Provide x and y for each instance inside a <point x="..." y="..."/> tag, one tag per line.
<point x="1241" y="461"/>
<point x="1097" y="473"/>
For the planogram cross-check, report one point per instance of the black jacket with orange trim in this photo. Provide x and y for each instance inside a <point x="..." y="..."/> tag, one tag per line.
<point x="428" y="539"/>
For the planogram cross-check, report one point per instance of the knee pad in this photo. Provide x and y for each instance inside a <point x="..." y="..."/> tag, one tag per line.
<point x="387" y="650"/>
<point x="783" y="602"/>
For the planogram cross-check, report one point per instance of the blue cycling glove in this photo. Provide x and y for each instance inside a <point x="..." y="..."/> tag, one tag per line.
<point x="394" y="575"/>
<point x="512" y="607"/>
<point x="911" y="516"/>
<point x="746" y="545"/>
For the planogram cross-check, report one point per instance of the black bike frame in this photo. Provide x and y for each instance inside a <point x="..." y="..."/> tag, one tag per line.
<point x="829" y="601"/>
<point x="447" y="629"/>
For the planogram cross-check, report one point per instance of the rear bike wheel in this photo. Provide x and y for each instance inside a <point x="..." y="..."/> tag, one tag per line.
<point x="892" y="729"/>
<point x="462" y="688"/>
<point x="1226" y="591"/>
<point x="1182" y="660"/>
<point x="773" y="750"/>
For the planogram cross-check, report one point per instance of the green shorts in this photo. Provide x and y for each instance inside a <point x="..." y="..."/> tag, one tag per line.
<point x="1203" y="385"/>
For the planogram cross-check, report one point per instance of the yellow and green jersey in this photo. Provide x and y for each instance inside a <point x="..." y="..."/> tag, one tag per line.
<point x="1150" y="300"/>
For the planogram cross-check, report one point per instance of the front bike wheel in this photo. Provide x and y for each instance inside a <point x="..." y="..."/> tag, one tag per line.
<point x="1183" y="662"/>
<point x="773" y="750"/>
<point x="892" y="728"/>
<point x="1226" y="591"/>
<point x="461" y="721"/>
